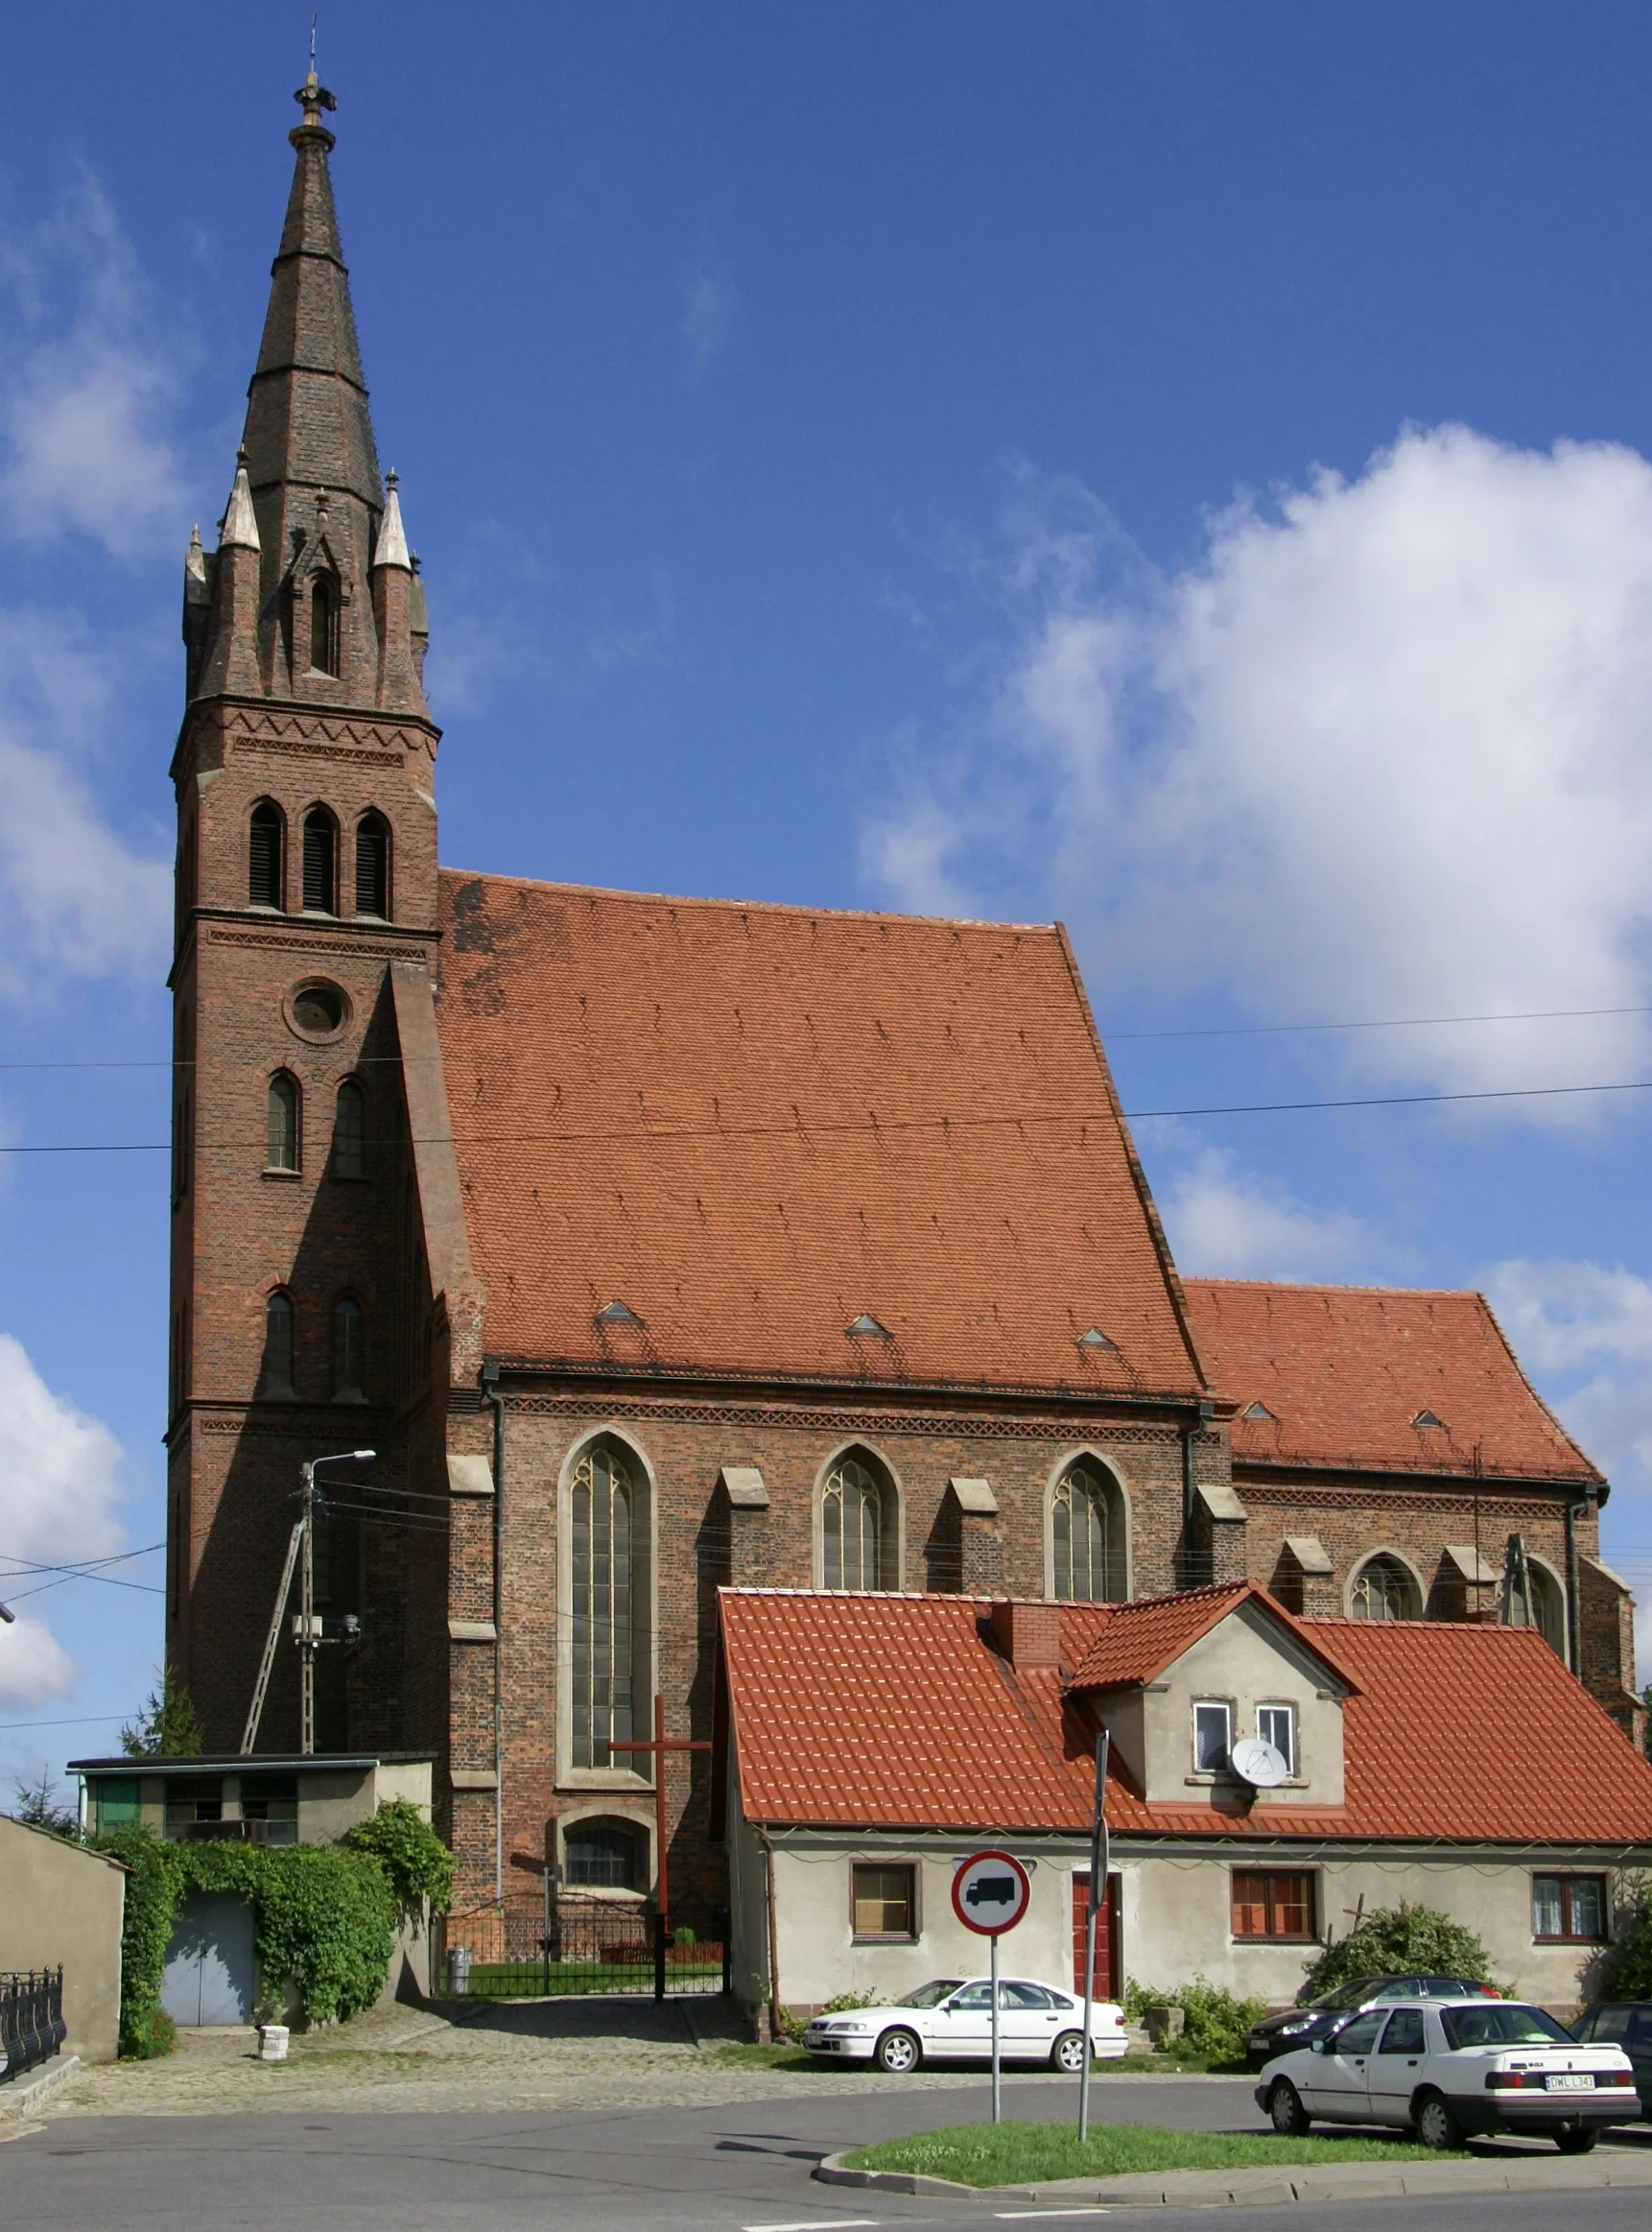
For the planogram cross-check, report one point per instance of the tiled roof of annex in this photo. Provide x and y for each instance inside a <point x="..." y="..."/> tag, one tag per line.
<point x="752" y="1125"/>
<point x="897" y="1712"/>
<point x="1345" y="1373"/>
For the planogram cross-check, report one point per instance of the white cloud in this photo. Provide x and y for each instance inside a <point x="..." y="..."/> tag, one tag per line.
<point x="33" y="1665"/>
<point x="90" y="380"/>
<point x="60" y="1490"/>
<point x="1583" y="1331"/>
<point x="1225" y="1221"/>
<point x="1378" y="752"/>
<point x="707" y="318"/>
<point x="78" y="899"/>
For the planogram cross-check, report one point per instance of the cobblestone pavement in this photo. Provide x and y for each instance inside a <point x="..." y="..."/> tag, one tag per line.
<point x="568" y="2054"/>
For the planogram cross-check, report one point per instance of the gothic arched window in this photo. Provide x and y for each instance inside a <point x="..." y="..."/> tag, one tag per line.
<point x="1541" y="1605"/>
<point x="324" y="626"/>
<point x="373" y="866"/>
<point x="283" y="1133"/>
<point x="608" y="1602"/>
<point x="350" y="1131"/>
<point x="1384" y="1588"/>
<point x="320" y="861"/>
<point x="1087" y="1536"/>
<point x="264" y="835"/>
<point x="857" y="1528"/>
<point x="349" y="1350"/>
<point x="276" y="1376"/>
<point x="605" y="1855"/>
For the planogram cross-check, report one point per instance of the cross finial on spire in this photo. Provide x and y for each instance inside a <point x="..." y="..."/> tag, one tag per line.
<point x="313" y="96"/>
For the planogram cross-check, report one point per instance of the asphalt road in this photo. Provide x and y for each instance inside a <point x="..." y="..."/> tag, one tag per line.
<point x="743" y="2169"/>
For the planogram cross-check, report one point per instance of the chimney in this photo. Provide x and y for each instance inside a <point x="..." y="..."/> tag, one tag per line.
<point x="1029" y="1633"/>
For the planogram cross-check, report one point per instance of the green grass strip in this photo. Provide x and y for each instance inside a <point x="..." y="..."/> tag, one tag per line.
<point x="1002" y="2154"/>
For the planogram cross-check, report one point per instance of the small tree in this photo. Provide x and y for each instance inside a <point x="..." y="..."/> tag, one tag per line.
<point x="1401" y="1940"/>
<point x="1629" y="1965"/>
<point x="167" y="1726"/>
<point x="40" y="1806"/>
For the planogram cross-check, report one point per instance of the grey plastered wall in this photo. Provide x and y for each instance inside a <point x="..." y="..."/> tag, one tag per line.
<point x="60" y="1904"/>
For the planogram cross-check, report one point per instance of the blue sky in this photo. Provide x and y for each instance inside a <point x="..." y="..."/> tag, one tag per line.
<point x="1174" y="466"/>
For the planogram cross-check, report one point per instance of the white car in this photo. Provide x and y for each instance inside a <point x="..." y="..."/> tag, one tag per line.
<point x="1451" y="2069"/>
<point x="951" y="2020"/>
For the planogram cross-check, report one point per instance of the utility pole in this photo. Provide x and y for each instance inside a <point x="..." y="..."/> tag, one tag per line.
<point x="1100" y="1857"/>
<point x="305" y="1626"/>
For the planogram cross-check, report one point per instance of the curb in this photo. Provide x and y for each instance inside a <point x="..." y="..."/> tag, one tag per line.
<point x="1351" y="2182"/>
<point x="25" y="2095"/>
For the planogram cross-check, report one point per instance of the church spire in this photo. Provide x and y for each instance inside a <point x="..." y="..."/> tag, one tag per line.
<point x="311" y="465"/>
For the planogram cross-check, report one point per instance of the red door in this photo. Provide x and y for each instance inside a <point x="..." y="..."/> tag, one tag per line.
<point x="1109" y="1968"/>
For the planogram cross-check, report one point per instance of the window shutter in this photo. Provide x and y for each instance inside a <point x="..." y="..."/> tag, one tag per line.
<point x="373" y="866"/>
<point x="319" y="862"/>
<point x="264" y="858"/>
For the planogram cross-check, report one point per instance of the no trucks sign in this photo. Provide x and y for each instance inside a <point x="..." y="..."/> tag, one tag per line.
<point x="990" y="1891"/>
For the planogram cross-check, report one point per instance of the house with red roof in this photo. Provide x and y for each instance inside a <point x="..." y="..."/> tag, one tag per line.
<point x="869" y="1743"/>
<point x="647" y="1246"/>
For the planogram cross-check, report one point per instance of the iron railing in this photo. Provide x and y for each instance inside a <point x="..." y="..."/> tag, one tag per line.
<point x="31" y="2027"/>
<point x="534" y="1948"/>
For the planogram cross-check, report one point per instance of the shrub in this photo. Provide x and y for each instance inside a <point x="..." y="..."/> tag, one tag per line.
<point x="1214" y="2022"/>
<point x="1629" y="1966"/>
<point x="1396" y="1941"/>
<point x="152" y="1888"/>
<point x="417" y="1863"/>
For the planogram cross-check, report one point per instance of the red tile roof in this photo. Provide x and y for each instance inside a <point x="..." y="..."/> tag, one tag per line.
<point x="1345" y="1372"/>
<point x="752" y="1125"/>
<point x="1136" y="1642"/>
<point x="885" y="1711"/>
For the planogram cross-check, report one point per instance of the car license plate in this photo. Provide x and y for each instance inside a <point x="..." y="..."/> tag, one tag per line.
<point x="1569" y="2080"/>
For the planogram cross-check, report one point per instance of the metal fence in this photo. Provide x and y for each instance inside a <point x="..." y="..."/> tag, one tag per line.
<point x="557" y="1948"/>
<point x="31" y="2026"/>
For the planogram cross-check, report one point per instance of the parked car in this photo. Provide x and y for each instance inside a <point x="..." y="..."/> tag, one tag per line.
<point x="1310" y="2019"/>
<point x="1625" y="2023"/>
<point x="1448" y="2069"/>
<point x="951" y="2020"/>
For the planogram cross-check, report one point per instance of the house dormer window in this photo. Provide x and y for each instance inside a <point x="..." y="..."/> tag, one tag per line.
<point x="1213" y="1735"/>
<point x="1276" y="1724"/>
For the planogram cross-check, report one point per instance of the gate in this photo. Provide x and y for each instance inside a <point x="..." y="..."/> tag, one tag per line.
<point x="31" y="2026"/>
<point x="533" y="1949"/>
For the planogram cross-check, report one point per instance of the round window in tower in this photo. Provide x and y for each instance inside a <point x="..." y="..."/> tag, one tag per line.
<point x="317" y="1009"/>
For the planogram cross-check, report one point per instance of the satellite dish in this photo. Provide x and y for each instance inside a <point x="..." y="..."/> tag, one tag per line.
<point x="1260" y="1764"/>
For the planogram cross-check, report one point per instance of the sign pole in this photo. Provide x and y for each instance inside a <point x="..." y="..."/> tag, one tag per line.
<point x="1098" y="1861"/>
<point x="997" y="2090"/>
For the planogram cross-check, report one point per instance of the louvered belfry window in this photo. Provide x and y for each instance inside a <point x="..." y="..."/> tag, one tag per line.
<point x="281" y="1153"/>
<point x="852" y="1528"/>
<point x="320" y="851"/>
<point x="373" y="866"/>
<point x="264" y="856"/>
<point x="608" y="1604"/>
<point x="1087" y="1531"/>
<point x="323" y="627"/>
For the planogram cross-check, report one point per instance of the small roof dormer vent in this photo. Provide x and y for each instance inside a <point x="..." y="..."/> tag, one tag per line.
<point x="617" y="1313"/>
<point x="1260" y="1414"/>
<point x="1426" y="1418"/>
<point x="1095" y="1342"/>
<point x="867" y="1328"/>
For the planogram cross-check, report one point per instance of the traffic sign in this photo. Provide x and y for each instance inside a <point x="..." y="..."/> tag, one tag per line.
<point x="990" y="1893"/>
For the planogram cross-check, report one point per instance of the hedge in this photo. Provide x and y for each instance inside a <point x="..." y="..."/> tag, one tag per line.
<point x="325" y="1915"/>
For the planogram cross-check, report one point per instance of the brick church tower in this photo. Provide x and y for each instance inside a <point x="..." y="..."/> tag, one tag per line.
<point x="306" y="874"/>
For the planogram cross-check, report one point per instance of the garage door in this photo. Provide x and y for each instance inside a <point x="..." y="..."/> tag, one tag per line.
<point x="209" y="1964"/>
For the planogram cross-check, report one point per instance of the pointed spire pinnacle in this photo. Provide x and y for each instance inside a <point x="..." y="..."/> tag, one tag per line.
<point x="194" y="566"/>
<point x="238" y="527"/>
<point x="392" y="544"/>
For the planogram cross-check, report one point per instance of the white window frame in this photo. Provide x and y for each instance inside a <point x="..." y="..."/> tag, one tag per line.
<point x="1225" y="1707"/>
<point x="1287" y="1750"/>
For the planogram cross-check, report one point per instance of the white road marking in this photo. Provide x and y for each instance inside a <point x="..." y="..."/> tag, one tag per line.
<point x="816" y="2224"/>
<point x="1014" y="2213"/>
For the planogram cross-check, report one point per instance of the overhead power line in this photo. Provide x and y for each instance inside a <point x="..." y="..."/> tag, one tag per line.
<point x="806" y="1129"/>
<point x="1110" y="1037"/>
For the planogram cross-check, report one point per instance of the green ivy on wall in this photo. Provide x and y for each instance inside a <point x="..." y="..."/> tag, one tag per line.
<point x="325" y="1915"/>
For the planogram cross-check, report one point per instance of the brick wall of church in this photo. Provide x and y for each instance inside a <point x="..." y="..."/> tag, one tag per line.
<point x="700" y="1543"/>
